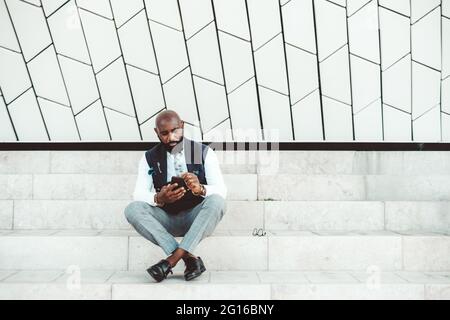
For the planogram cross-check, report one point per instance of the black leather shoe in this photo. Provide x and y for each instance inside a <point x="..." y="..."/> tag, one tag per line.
<point x="194" y="268"/>
<point x="160" y="270"/>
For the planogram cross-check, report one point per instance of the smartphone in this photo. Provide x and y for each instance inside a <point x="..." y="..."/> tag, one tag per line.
<point x="180" y="181"/>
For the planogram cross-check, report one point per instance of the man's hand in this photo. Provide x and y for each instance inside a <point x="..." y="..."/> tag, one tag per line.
<point x="168" y="194"/>
<point x="192" y="182"/>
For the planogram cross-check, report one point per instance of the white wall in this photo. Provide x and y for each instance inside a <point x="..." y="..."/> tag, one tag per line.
<point x="100" y="70"/>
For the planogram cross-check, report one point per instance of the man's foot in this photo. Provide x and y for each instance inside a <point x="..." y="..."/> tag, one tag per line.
<point x="160" y="270"/>
<point x="188" y="255"/>
<point x="194" y="267"/>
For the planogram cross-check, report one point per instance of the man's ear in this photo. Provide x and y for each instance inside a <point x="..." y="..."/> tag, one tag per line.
<point x="182" y="124"/>
<point x="156" y="131"/>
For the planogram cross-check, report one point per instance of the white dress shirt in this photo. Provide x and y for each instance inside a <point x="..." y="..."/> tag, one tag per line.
<point x="145" y="190"/>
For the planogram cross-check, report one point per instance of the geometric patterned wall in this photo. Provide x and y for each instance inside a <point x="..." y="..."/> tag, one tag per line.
<point x="333" y="70"/>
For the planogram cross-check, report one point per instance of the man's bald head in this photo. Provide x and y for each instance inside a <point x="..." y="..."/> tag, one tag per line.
<point x="166" y="116"/>
<point x="169" y="128"/>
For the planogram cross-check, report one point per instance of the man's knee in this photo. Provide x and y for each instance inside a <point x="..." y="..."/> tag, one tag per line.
<point x="133" y="209"/>
<point x="216" y="202"/>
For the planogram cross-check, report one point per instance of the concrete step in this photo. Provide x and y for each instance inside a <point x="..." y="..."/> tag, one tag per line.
<point x="424" y="216"/>
<point x="100" y="186"/>
<point x="239" y="250"/>
<point x="354" y="187"/>
<point x="212" y="285"/>
<point x="240" y="187"/>
<point x="301" y="162"/>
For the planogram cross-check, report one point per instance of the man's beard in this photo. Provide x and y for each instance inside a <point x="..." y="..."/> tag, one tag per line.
<point x="168" y="147"/>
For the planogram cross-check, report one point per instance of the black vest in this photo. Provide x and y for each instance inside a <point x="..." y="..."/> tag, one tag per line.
<point x="195" y="154"/>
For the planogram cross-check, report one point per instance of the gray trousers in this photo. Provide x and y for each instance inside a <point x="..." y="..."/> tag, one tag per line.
<point x="161" y="228"/>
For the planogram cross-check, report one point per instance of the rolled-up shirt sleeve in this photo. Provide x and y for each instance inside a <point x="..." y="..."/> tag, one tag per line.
<point x="144" y="189"/>
<point x="214" y="177"/>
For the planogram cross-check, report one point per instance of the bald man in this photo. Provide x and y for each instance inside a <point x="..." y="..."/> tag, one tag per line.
<point x="164" y="209"/>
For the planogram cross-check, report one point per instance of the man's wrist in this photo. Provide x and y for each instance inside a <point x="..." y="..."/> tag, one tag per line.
<point x="157" y="201"/>
<point x="202" y="191"/>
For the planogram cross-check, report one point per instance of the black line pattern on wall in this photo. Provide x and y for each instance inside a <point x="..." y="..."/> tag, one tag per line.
<point x="312" y="70"/>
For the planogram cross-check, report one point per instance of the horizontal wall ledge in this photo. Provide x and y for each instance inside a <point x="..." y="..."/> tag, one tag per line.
<point x="231" y="146"/>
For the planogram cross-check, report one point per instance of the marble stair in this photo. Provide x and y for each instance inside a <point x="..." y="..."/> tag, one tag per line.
<point x="332" y="224"/>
